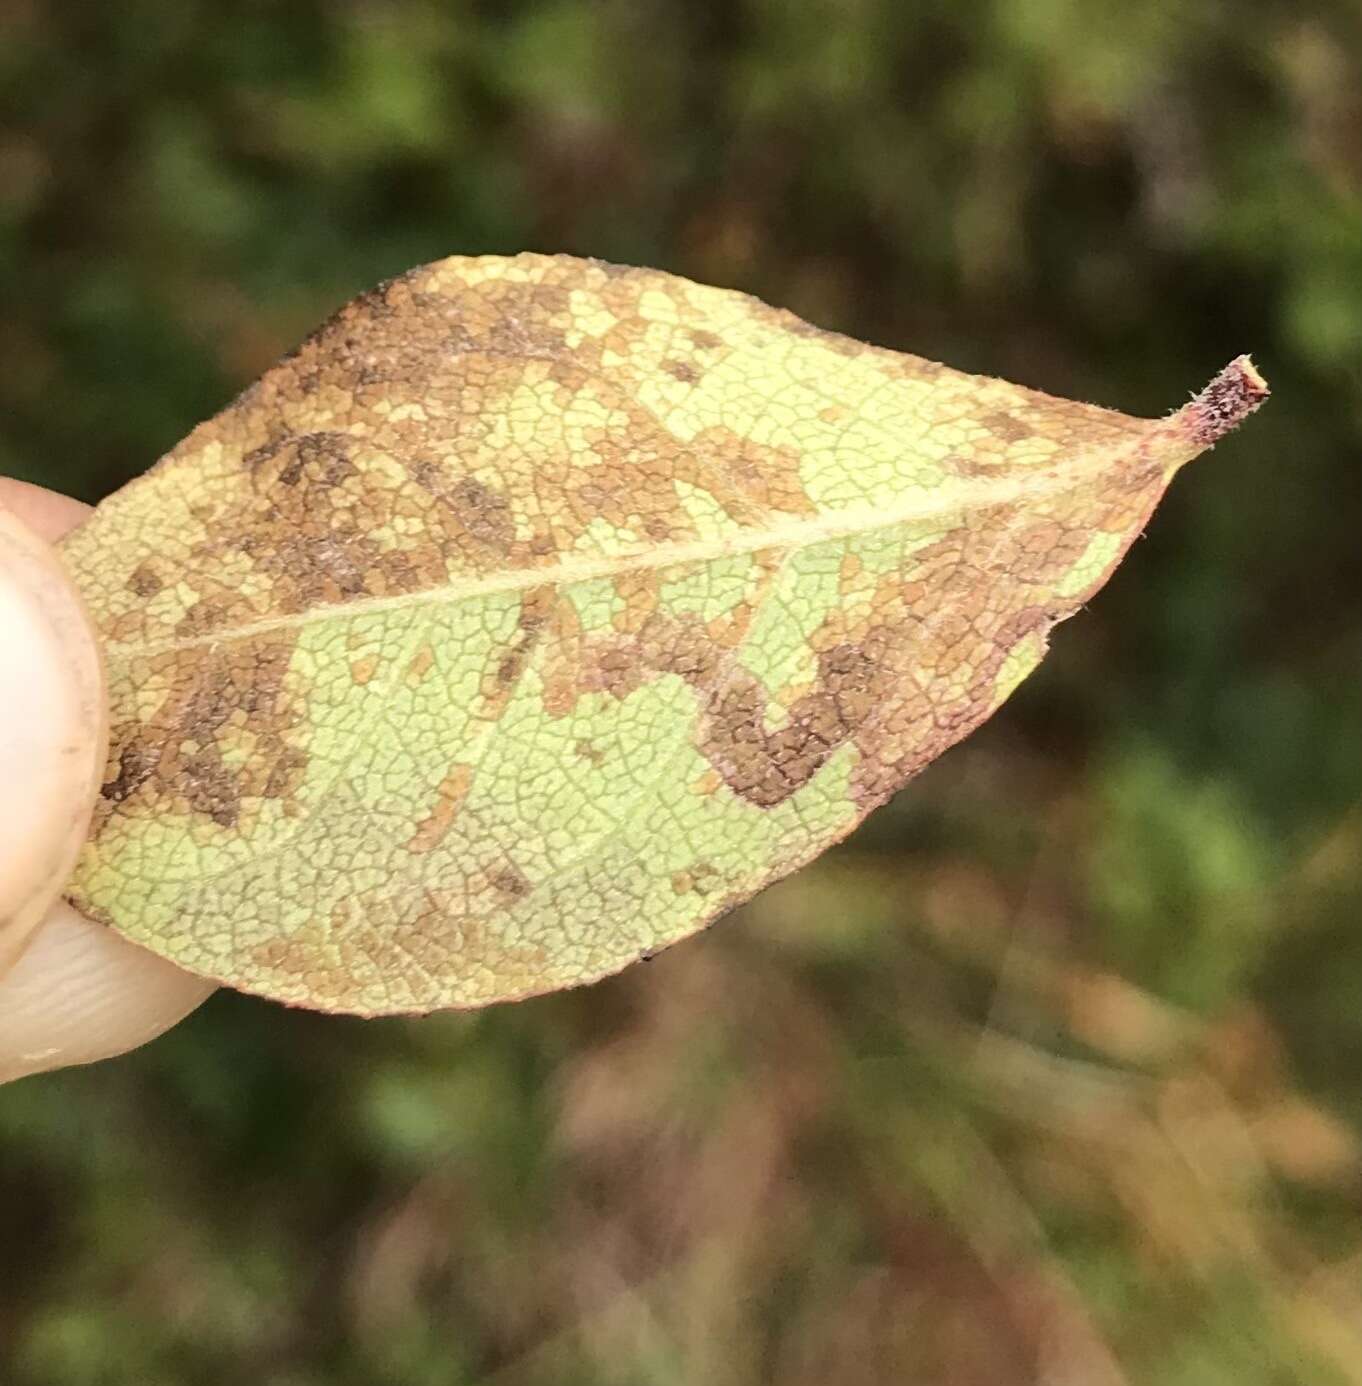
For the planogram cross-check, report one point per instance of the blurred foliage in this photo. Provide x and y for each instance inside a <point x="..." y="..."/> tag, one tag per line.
<point x="1054" y="1071"/>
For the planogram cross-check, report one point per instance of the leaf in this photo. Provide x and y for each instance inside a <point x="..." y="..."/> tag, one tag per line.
<point x="535" y="611"/>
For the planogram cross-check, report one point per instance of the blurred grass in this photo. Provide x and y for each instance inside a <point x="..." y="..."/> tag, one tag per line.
<point x="1051" y="1073"/>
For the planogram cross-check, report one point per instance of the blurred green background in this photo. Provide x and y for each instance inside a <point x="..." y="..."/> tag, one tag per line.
<point x="1053" y="1072"/>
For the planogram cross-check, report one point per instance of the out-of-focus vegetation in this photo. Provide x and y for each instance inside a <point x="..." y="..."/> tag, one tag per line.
<point x="1051" y="1073"/>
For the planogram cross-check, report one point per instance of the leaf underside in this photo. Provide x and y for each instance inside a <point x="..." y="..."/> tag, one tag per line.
<point x="535" y="611"/>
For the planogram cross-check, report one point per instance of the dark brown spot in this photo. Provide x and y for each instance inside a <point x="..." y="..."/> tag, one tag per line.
<point x="1007" y="427"/>
<point x="584" y="750"/>
<point x="285" y="774"/>
<point x="535" y="610"/>
<point x="683" y="371"/>
<point x="144" y="581"/>
<point x="136" y="764"/>
<point x="210" y="788"/>
<point x="484" y="513"/>
<point x="510" y="880"/>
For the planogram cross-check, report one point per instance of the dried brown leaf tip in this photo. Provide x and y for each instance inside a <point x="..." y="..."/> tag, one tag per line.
<point x="536" y="611"/>
<point x="1226" y="402"/>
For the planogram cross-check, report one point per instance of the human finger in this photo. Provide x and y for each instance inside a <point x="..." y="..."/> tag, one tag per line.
<point x="53" y="725"/>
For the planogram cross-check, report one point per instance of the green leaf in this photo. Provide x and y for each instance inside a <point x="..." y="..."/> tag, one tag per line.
<point x="534" y="612"/>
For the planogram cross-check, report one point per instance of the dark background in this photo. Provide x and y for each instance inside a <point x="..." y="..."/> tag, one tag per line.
<point x="1053" y="1072"/>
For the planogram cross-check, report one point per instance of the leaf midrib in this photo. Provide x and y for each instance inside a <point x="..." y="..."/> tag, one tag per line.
<point x="971" y="494"/>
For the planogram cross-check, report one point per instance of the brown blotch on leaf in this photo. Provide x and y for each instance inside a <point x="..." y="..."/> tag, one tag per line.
<point x="507" y="317"/>
<point x="766" y="766"/>
<point x="133" y="764"/>
<point x="684" y="371"/>
<point x="176" y="758"/>
<point x="510" y="880"/>
<point x="1007" y="427"/>
<point x="641" y="594"/>
<point x="286" y="774"/>
<point x="536" y="608"/>
<point x="422" y="662"/>
<point x="449" y="797"/>
<point x="483" y="513"/>
<point x="699" y="879"/>
<point x="678" y="645"/>
<point x="739" y="473"/>
<point x="394" y="935"/>
<point x="144" y="581"/>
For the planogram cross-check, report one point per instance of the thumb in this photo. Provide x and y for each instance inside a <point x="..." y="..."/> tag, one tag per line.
<point x="53" y="730"/>
<point x="71" y="991"/>
<point x="80" y="992"/>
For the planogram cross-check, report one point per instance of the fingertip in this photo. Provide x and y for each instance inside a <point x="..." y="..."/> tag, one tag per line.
<point x="53" y="729"/>
<point x="48" y="514"/>
<point x="81" y="993"/>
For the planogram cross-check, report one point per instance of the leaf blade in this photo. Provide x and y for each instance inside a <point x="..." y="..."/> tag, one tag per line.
<point x="496" y="640"/>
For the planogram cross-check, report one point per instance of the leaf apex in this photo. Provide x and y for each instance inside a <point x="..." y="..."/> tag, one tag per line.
<point x="1225" y="403"/>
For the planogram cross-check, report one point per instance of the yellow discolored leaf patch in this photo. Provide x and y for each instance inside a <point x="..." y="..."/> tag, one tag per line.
<point x="535" y="611"/>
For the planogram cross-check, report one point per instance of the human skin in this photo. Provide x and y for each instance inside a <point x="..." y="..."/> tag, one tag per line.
<point x="71" y="991"/>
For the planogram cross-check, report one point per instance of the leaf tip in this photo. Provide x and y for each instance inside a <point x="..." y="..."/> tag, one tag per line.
<point x="1225" y="403"/>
